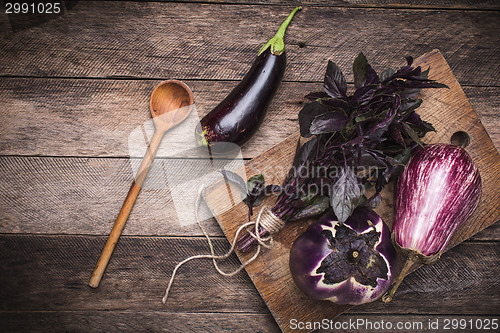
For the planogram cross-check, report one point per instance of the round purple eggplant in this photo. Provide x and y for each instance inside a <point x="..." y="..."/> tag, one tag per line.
<point x="236" y="119"/>
<point x="346" y="263"/>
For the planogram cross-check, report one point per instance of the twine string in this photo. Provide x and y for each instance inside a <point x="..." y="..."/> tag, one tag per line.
<point x="268" y="221"/>
<point x="265" y="219"/>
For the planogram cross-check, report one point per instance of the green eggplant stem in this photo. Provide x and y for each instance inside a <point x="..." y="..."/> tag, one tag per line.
<point x="277" y="43"/>
<point x="406" y="269"/>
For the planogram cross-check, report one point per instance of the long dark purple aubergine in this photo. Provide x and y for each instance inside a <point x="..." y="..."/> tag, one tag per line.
<point x="436" y="193"/>
<point x="236" y="119"/>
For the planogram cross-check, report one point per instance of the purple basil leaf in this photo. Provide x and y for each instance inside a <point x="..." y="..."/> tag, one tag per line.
<point x="409" y="93"/>
<point x="404" y="157"/>
<point x="434" y="84"/>
<point x="306" y="116"/>
<point x="380" y="182"/>
<point x="255" y="183"/>
<point x="373" y="202"/>
<point x="404" y="73"/>
<point x="425" y="74"/>
<point x="365" y="94"/>
<point x="418" y="84"/>
<point x="346" y="194"/>
<point x="368" y="160"/>
<point x="303" y="156"/>
<point x="360" y="68"/>
<point x="409" y="60"/>
<point x="414" y="119"/>
<point x="317" y="95"/>
<point x="428" y="126"/>
<point x="272" y="189"/>
<point x="408" y="107"/>
<point x="328" y="123"/>
<point x="392" y="165"/>
<point x="361" y="133"/>
<point x="371" y="76"/>
<point x="395" y="133"/>
<point x="255" y="202"/>
<point x="353" y="142"/>
<point x="317" y="206"/>
<point x="387" y="74"/>
<point x="255" y="192"/>
<point x="364" y="74"/>
<point x="335" y="103"/>
<point x="408" y="72"/>
<point x="334" y="82"/>
<point x="381" y="127"/>
<point x="412" y="134"/>
<point x="397" y="84"/>
<point x="389" y="172"/>
<point x="380" y="157"/>
<point x="236" y="180"/>
<point x="259" y="192"/>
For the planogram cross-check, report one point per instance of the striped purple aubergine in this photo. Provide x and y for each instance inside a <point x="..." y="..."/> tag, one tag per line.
<point x="436" y="193"/>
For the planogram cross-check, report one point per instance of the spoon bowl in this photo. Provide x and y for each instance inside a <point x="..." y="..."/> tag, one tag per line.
<point x="170" y="103"/>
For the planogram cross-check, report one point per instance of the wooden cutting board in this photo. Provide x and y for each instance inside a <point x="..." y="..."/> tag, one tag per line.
<point x="447" y="109"/>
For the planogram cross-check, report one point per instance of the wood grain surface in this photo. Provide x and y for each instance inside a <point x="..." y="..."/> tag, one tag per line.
<point x="455" y="4"/>
<point x="447" y="109"/>
<point x="52" y="273"/>
<point x="150" y="40"/>
<point x="84" y="195"/>
<point x="74" y="89"/>
<point x="70" y="118"/>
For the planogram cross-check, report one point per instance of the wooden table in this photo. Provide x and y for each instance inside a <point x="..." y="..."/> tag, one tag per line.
<point x="74" y="86"/>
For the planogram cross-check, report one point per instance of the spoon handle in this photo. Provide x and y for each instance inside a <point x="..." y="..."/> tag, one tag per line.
<point x="126" y="208"/>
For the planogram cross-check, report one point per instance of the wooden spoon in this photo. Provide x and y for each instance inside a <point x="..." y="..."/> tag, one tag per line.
<point x="171" y="102"/>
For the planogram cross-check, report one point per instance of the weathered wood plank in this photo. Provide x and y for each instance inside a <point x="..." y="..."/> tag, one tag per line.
<point x="156" y="321"/>
<point x="491" y="233"/>
<point x="486" y="103"/>
<point x="439" y="4"/>
<point x="135" y="321"/>
<point x="84" y="196"/>
<point x="150" y="40"/>
<point x="101" y="117"/>
<point x="5" y="27"/>
<point x="50" y="273"/>
<point x="71" y="117"/>
<point x="52" y="195"/>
